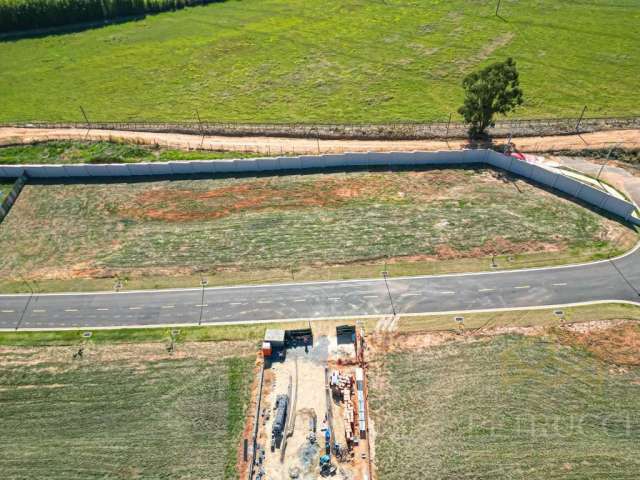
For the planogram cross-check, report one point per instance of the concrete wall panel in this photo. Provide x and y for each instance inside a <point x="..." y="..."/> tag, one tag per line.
<point x="181" y="168"/>
<point x="376" y="159"/>
<point x="290" y="163"/>
<point x="159" y="168"/>
<point x="520" y="168"/>
<point x="498" y="160"/>
<point x="140" y="169"/>
<point x="309" y="161"/>
<point x="536" y="173"/>
<point x="98" y="170"/>
<point x="267" y="164"/>
<point x="567" y="185"/>
<point x="543" y="176"/>
<point x="75" y="171"/>
<point x="593" y="196"/>
<point x="11" y="171"/>
<point x="334" y="160"/>
<point x="618" y="207"/>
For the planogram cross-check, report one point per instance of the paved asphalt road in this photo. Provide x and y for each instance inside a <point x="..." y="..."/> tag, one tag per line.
<point x="607" y="280"/>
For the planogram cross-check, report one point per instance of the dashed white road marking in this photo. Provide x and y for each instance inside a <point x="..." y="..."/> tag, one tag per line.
<point x="235" y="303"/>
<point x="448" y="293"/>
<point x="411" y="295"/>
<point x="168" y="306"/>
<point x="102" y="309"/>
<point x="370" y="296"/>
<point x="520" y="287"/>
<point x="71" y="310"/>
<point x="335" y="298"/>
<point x="559" y="285"/>
<point x="135" y="308"/>
<point x="39" y="311"/>
<point x="202" y="305"/>
<point x="8" y="311"/>
<point x="487" y="290"/>
<point x="300" y="300"/>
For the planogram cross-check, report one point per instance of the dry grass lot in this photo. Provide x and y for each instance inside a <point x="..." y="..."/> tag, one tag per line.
<point x="551" y="403"/>
<point x="337" y="225"/>
<point x="129" y="411"/>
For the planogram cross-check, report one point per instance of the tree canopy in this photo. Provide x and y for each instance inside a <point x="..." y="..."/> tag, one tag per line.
<point x="495" y="89"/>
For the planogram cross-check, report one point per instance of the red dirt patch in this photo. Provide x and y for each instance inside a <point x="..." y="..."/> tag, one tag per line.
<point x="619" y="344"/>
<point x="179" y="205"/>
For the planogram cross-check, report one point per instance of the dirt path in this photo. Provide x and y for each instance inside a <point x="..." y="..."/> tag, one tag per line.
<point x="275" y="145"/>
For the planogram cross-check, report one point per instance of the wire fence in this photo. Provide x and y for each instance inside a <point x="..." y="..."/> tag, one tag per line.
<point x="272" y="147"/>
<point x="363" y="131"/>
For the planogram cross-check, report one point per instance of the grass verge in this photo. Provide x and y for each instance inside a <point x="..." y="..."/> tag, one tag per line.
<point x="520" y="318"/>
<point x="69" y="152"/>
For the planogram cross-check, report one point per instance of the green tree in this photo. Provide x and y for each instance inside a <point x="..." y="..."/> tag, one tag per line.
<point x="495" y="89"/>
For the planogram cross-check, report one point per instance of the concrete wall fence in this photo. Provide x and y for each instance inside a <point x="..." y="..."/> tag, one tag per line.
<point x="10" y="199"/>
<point x="568" y="185"/>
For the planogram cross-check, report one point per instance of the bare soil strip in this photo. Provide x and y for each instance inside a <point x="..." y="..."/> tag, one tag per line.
<point x="275" y="145"/>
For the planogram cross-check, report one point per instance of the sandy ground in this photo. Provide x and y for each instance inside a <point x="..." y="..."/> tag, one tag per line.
<point x="310" y="397"/>
<point x="275" y="145"/>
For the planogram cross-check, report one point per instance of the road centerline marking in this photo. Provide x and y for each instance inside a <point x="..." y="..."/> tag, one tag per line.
<point x="487" y="290"/>
<point x="71" y="310"/>
<point x="102" y="309"/>
<point x="522" y="287"/>
<point x="558" y="284"/>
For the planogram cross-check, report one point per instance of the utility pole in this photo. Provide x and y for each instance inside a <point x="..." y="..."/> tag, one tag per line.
<point x="200" y="126"/>
<point x="385" y="274"/>
<point x="446" y="135"/>
<point x="203" y="282"/>
<point x="31" y="294"/>
<point x="606" y="160"/>
<point x="580" y="119"/>
<point x="86" y="119"/>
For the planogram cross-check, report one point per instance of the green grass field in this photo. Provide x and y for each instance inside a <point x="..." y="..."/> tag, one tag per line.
<point x="348" y="61"/>
<point x="245" y="229"/>
<point x="61" y="152"/>
<point x="122" y="412"/>
<point x="5" y="188"/>
<point x="506" y="407"/>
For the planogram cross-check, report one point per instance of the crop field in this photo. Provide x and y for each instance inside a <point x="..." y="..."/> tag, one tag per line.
<point x="347" y="61"/>
<point x="32" y="14"/>
<point x="63" y="152"/>
<point x="127" y="412"/>
<point x="563" y="405"/>
<point x="235" y="226"/>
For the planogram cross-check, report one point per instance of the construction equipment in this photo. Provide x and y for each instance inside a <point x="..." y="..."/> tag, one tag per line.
<point x="326" y="467"/>
<point x="313" y="421"/>
<point x="282" y="402"/>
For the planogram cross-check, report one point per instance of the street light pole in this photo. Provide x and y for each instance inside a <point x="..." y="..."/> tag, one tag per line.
<point x="385" y="274"/>
<point x="26" y="306"/>
<point x="203" y="283"/>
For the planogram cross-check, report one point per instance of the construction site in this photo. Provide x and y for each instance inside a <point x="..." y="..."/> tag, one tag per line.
<point x="310" y="407"/>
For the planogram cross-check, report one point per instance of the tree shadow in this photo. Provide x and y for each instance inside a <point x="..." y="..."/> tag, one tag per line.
<point x="67" y="29"/>
<point x="89" y="25"/>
